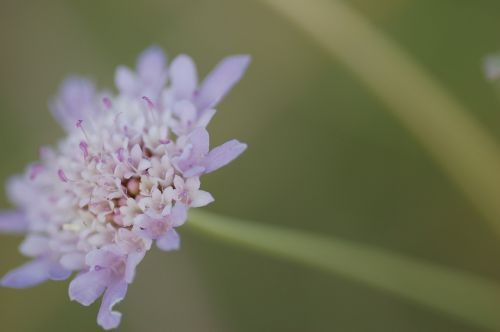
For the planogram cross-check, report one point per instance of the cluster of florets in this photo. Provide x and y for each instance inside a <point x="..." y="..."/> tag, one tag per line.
<point x="123" y="178"/>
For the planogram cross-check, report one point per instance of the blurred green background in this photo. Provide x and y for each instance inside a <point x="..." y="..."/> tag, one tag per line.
<point x="324" y="156"/>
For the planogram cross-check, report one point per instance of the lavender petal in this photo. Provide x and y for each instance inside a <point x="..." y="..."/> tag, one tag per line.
<point x="220" y="81"/>
<point x="58" y="272"/>
<point x="223" y="155"/>
<point x="133" y="259"/>
<point x="151" y="64"/>
<point x="103" y="257"/>
<point x="125" y="80"/>
<point x="178" y="216"/>
<point x="170" y="241"/>
<point x="34" y="245"/>
<point x="107" y="318"/>
<point x="201" y="198"/>
<point x="184" y="77"/>
<point x="89" y="286"/>
<point x="27" y="275"/>
<point x="76" y="101"/>
<point x="14" y="222"/>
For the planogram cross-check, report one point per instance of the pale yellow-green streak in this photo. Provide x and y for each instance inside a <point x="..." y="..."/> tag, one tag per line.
<point x="461" y="295"/>
<point x="469" y="155"/>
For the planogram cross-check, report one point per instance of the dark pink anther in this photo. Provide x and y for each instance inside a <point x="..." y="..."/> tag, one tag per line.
<point x="165" y="141"/>
<point x="107" y="102"/>
<point x="62" y="175"/>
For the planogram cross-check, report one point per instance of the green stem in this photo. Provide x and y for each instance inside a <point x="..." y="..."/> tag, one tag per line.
<point x="461" y="295"/>
<point x="457" y="142"/>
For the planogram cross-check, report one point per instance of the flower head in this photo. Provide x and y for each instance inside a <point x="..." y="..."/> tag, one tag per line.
<point x="122" y="180"/>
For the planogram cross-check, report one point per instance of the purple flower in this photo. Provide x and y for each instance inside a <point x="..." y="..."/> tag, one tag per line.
<point x="124" y="177"/>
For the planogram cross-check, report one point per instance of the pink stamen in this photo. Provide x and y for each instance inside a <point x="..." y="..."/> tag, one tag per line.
<point x="165" y="141"/>
<point x="85" y="149"/>
<point x="151" y="107"/>
<point x="79" y="124"/>
<point x="62" y="175"/>
<point x="150" y="103"/>
<point x="107" y="102"/>
<point x="35" y="171"/>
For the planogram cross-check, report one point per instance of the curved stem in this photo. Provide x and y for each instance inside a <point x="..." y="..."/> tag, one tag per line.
<point x="459" y="294"/>
<point x="457" y="142"/>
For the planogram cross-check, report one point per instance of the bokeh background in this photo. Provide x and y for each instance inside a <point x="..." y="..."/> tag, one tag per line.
<point x="325" y="156"/>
